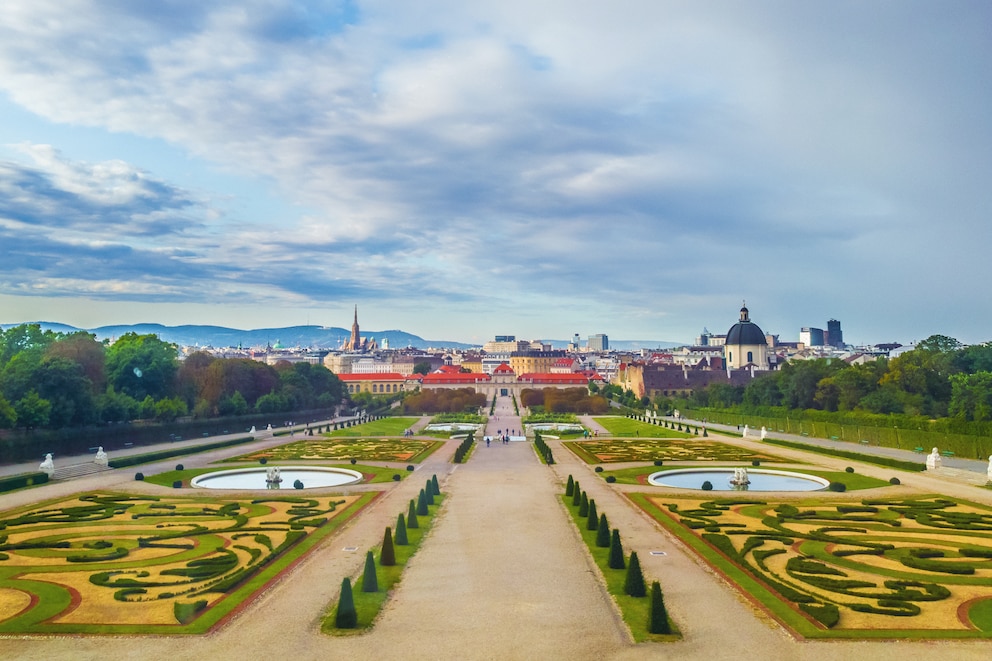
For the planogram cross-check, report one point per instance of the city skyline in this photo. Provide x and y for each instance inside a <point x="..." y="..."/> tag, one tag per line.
<point x="634" y="170"/>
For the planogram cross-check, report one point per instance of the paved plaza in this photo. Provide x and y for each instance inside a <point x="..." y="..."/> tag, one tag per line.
<point x="502" y="575"/>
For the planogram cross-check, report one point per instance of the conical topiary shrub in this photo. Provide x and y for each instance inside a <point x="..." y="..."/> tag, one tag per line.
<point x="658" y="615"/>
<point x="388" y="556"/>
<point x="411" y="517"/>
<point x="400" y="537"/>
<point x="616" y="560"/>
<point x="584" y="505"/>
<point x="370" y="582"/>
<point x="570" y="486"/>
<point x="422" y="504"/>
<point x="634" y="585"/>
<point x="429" y="493"/>
<point x="437" y="488"/>
<point x="593" y="521"/>
<point x="603" y="532"/>
<point x="576" y="494"/>
<point x="346" y="616"/>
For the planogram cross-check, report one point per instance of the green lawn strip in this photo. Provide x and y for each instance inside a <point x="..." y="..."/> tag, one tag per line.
<point x="380" y="427"/>
<point x="980" y="615"/>
<point x="620" y="426"/>
<point x="634" y="610"/>
<point x="887" y="462"/>
<point x="368" y="605"/>
<point x="775" y="605"/>
<point x="138" y="459"/>
<point x="54" y="598"/>
<point x="378" y="473"/>
<point x="639" y="475"/>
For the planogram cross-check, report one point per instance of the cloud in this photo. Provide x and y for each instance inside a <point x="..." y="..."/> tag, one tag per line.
<point x="507" y="152"/>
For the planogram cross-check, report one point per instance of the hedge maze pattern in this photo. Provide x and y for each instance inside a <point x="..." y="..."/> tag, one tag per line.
<point x="135" y="564"/>
<point x="892" y="565"/>
<point x="617" y="450"/>
<point x="342" y="449"/>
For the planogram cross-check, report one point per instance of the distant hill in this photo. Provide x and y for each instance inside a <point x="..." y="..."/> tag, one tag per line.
<point x="312" y="337"/>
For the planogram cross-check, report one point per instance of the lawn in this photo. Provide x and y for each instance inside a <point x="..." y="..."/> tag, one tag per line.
<point x="343" y="449"/>
<point x="667" y="449"/>
<point x="380" y="427"/>
<point x="137" y="564"/>
<point x="624" y="427"/>
<point x="916" y="568"/>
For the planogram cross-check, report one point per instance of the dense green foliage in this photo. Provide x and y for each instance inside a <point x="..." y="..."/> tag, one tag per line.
<point x="346" y="617"/>
<point x="443" y="400"/>
<point x="563" y="400"/>
<point x="57" y="380"/>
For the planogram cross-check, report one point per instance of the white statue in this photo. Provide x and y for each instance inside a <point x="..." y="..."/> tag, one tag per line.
<point x="989" y="471"/>
<point x="933" y="460"/>
<point x="101" y="457"/>
<point x="764" y="433"/>
<point x="272" y="475"/>
<point x="252" y="430"/>
<point x="740" y="478"/>
<point x="269" y="428"/>
<point x="48" y="466"/>
<point x="745" y="431"/>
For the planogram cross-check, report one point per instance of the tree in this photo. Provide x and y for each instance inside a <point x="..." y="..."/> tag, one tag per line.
<point x="388" y="557"/>
<point x="346" y="616"/>
<point x="142" y="365"/>
<point x="167" y="410"/>
<point x="8" y="416"/>
<point x="971" y="396"/>
<point x="633" y="584"/>
<point x="63" y="383"/>
<point x="233" y="405"/>
<point x="370" y="582"/>
<point x="422" y="367"/>
<point x="615" y="559"/>
<point x="658" y="617"/>
<point x="32" y="411"/>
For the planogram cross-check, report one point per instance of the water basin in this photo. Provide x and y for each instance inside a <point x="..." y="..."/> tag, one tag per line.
<point x="254" y="478"/>
<point x="761" y="479"/>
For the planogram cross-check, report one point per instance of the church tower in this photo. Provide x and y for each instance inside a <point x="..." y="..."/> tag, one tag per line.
<point x="355" y="344"/>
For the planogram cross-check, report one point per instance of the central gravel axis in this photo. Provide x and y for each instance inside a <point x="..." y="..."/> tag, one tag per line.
<point x="502" y="574"/>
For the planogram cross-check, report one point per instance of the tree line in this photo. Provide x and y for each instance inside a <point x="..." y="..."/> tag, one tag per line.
<point x="939" y="378"/>
<point x="58" y="380"/>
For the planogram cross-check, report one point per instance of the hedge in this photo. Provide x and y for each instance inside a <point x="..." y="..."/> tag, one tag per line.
<point x="148" y="457"/>
<point x="22" y="480"/>
<point x="858" y="456"/>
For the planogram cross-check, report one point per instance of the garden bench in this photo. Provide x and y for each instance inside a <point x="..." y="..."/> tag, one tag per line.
<point x="834" y="438"/>
<point x="804" y="433"/>
<point x="865" y="441"/>
<point x="919" y="450"/>
<point x="947" y="453"/>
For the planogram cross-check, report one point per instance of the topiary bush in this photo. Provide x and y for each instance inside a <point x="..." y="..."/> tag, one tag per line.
<point x="178" y="484"/>
<point x="409" y="467"/>
<point x="354" y="461"/>
<point x="139" y="476"/>
<point x="569" y="486"/>
<point x="894" y="481"/>
<point x="615" y="559"/>
<point x="611" y="478"/>
<point x="298" y="484"/>
<point x="388" y="555"/>
<point x="370" y="582"/>
<point x="849" y="469"/>
<point x="755" y="462"/>
<point x="411" y="516"/>
<point x="592" y="521"/>
<point x="401" y="538"/>
<point x="658" y="462"/>
<point x="346" y="616"/>
<point x="707" y="486"/>
<point x="397" y="477"/>
<point x="263" y="461"/>
<point x="633" y="584"/>
<point x="837" y="486"/>
<point x="603" y="532"/>
<point x="179" y="467"/>
<point x="584" y="505"/>
<point x="658" y="614"/>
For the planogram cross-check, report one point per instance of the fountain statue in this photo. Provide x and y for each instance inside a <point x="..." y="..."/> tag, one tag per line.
<point x="933" y="460"/>
<point x="252" y="430"/>
<point x="48" y="466"/>
<point x="764" y="433"/>
<point x="989" y="471"/>
<point x="740" y="479"/>
<point x="101" y="457"/>
<point x="745" y="431"/>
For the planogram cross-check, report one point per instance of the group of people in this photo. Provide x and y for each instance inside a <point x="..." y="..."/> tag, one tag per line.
<point x="500" y="436"/>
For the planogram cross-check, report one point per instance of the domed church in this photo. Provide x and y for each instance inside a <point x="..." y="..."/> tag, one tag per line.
<point x="746" y="344"/>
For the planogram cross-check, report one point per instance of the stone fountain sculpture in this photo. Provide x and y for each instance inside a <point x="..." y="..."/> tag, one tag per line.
<point x="101" y="458"/>
<point x="933" y="460"/>
<point x="740" y="478"/>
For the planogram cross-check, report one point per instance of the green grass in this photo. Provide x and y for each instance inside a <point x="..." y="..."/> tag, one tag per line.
<point x="380" y="427"/>
<point x="620" y="426"/>
<point x="887" y="462"/>
<point x="853" y="481"/>
<point x="368" y="605"/>
<point x="634" y="610"/>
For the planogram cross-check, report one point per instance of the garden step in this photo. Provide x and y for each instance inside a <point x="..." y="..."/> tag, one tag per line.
<point x="78" y="470"/>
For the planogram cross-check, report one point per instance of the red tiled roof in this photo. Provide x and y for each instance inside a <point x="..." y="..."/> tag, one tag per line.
<point x="543" y="377"/>
<point x="456" y="377"/>
<point x="503" y="368"/>
<point x="386" y="376"/>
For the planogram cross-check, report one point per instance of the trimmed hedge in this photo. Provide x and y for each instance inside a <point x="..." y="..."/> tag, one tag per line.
<point x="888" y="462"/>
<point x="148" y="457"/>
<point x="22" y="480"/>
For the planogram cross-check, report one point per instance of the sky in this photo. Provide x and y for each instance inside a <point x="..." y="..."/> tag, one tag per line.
<point x="460" y="170"/>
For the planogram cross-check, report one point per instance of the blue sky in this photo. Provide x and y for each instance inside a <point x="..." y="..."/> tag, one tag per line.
<point x="460" y="170"/>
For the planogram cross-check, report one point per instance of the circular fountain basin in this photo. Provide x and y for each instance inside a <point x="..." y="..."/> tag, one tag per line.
<point x="254" y="478"/>
<point x="761" y="479"/>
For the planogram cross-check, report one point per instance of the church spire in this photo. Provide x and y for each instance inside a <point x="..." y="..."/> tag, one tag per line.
<point x="744" y="313"/>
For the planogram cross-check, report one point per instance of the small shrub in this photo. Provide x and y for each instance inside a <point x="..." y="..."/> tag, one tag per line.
<point x="894" y="481"/>
<point x="298" y="484"/>
<point x="658" y="617"/>
<point x="370" y="582"/>
<point x="633" y="584"/>
<point x="139" y="476"/>
<point x="346" y="616"/>
<point x="849" y="469"/>
<point x="409" y="467"/>
<point x="396" y="477"/>
<point x="707" y="486"/>
<point x="569" y="486"/>
<point x="755" y="462"/>
<point x="354" y="461"/>
<point x="178" y="484"/>
<point x="411" y="516"/>
<point x="401" y="537"/>
<point x="611" y="478"/>
<point x="388" y="555"/>
<point x="603" y="533"/>
<point x="179" y="467"/>
<point x="837" y="486"/>
<point x="658" y="462"/>
<point x="263" y="461"/>
<point x="615" y="559"/>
